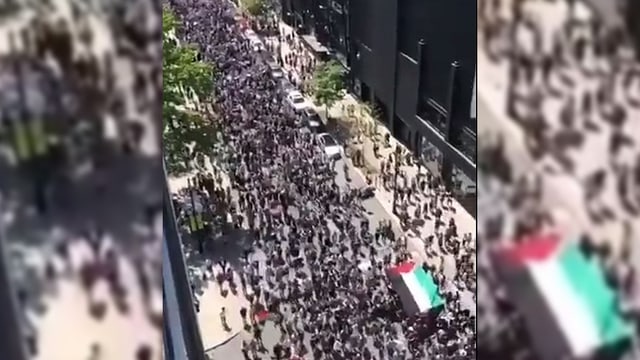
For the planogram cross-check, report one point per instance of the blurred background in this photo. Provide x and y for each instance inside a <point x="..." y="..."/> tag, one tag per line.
<point x="80" y="179"/>
<point x="559" y="159"/>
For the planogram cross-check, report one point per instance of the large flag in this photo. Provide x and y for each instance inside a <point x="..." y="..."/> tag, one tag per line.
<point x="563" y="297"/>
<point x="416" y="288"/>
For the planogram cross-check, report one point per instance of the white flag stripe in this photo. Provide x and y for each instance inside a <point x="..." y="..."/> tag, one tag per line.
<point x="568" y="308"/>
<point x="419" y="294"/>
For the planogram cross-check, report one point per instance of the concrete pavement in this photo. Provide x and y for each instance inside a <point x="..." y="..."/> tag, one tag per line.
<point x="211" y="304"/>
<point x="207" y="291"/>
<point x="67" y="332"/>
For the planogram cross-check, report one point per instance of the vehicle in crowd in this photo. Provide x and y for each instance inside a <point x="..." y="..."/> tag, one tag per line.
<point x="330" y="146"/>
<point x="313" y="121"/>
<point x="275" y="70"/>
<point x="297" y="101"/>
<point x="254" y="40"/>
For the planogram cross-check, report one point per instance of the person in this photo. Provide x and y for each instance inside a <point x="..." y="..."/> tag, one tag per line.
<point x="223" y="319"/>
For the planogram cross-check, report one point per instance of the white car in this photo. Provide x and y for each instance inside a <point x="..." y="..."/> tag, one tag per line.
<point x="297" y="101"/>
<point x="254" y="40"/>
<point x="330" y="146"/>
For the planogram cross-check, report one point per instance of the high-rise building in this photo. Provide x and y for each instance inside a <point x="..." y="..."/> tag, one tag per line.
<point x="415" y="60"/>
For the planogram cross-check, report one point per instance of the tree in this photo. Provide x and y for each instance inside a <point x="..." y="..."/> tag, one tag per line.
<point x="328" y="84"/>
<point x="369" y="113"/>
<point x="189" y="131"/>
<point x="254" y="8"/>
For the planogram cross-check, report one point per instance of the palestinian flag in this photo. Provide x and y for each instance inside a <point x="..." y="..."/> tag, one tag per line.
<point x="417" y="290"/>
<point x="563" y="297"/>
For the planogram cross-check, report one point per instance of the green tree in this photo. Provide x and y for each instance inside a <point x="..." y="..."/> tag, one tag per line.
<point x="254" y="8"/>
<point x="327" y="85"/>
<point x="189" y="130"/>
<point x="369" y="114"/>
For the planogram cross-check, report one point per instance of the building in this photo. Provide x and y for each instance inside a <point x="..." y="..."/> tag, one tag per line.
<point x="415" y="60"/>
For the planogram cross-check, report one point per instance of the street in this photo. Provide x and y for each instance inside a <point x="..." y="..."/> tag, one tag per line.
<point x="288" y="227"/>
<point x="375" y="214"/>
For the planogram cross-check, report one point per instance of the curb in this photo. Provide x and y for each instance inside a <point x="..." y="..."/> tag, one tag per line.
<point x="222" y="342"/>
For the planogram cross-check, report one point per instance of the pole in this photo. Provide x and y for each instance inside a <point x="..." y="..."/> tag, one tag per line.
<point x="184" y="296"/>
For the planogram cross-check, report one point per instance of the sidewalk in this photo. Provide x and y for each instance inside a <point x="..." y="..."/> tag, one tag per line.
<point x="208" y="292"/>
<point x="66" y="331"/>
<point x="563" y="192"/>
<point x="211" y="304"/>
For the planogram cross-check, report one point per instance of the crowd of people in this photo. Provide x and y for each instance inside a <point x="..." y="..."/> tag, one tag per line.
<point x="314" y="232"/>
<point x="572" y="88"/>
<point x="65" y="77"/>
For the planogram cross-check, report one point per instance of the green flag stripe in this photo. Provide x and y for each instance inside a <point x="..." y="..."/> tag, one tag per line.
<point x="588" y="282"/>
<point x="427" y="283"/>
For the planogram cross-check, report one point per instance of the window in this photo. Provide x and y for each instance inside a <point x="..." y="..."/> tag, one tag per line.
<point x="433" y="113"/>
<point x="466" y="143"/>
<point x="328" y="140"/>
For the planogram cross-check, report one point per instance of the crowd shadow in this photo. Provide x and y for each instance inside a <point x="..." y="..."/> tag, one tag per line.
<point x="116" y="200"/>
<point x="230" y="247"/>
<point x="341" y="132"/>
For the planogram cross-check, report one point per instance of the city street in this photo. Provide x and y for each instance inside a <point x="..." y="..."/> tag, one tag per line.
<point x="384" y="204"/>
<point x="378" y="209"/>
<point x="375" y="213"/>
<point x="297" y="233"/>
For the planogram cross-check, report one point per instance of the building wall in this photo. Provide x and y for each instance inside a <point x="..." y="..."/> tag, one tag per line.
<point x="407" y="83"/>
<point x="373" y="26"/>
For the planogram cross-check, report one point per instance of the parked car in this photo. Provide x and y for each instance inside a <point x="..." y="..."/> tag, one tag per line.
<point x="313" y="121"/>
<point x="330" y="146"/>
<point x="297" y="101"/>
